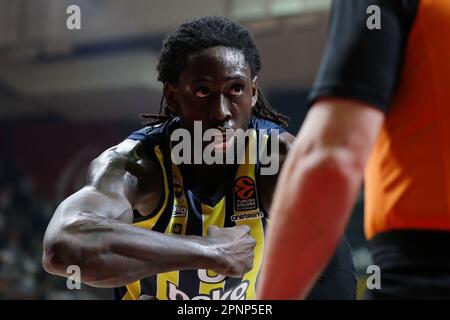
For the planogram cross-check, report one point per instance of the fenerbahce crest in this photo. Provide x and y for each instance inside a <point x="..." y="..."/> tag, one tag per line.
<point x="245" y="200"/>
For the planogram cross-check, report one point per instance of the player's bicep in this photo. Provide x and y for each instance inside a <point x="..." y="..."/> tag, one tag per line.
<point x="89" y="201"/>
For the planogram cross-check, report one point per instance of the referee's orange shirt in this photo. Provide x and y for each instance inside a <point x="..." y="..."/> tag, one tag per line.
<point x="407" y="178"/>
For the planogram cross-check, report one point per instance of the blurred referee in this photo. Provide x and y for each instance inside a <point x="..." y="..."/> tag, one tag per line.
<point x="380" y="107"/>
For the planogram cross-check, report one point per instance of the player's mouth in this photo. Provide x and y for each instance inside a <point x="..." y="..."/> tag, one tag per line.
<point x="222" y="143"/>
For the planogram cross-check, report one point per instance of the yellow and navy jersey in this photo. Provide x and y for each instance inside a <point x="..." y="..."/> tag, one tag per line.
<point x="185" y="210"/>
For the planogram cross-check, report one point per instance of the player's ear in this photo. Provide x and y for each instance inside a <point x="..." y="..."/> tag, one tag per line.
<point x="170" y="95"/>
<point x="254" y="91"/>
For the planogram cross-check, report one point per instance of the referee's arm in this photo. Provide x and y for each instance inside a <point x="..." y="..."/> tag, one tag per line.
<point x="318" y="187"/>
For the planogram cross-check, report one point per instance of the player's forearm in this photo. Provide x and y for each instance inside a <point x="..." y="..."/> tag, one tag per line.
<point x="311" y="206"/>
<point x="111" y="253"/>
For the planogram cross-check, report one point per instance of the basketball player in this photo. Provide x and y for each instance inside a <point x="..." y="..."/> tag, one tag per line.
<point x="149" y="227"/>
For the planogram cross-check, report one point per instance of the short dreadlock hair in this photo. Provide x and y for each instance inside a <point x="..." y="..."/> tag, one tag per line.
<point x="202" y="33"/>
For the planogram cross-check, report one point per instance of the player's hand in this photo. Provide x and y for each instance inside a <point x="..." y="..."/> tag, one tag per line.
<point x="233" y="248"/>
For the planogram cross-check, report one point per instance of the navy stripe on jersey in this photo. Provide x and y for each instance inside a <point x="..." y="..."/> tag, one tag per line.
<point x="119" y="293"/>
<point x="148" y="286"/>
<point x="188" y="280"/>
<point x="229" y="205"/>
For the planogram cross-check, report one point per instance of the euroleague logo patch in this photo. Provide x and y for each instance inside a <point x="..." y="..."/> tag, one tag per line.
<point x="245" y="194"/>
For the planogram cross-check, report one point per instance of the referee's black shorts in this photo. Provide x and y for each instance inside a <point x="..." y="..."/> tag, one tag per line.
<point x="414" y="264"/>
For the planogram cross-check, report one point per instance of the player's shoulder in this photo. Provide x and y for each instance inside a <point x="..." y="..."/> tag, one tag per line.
<point x="136" y="147"/>
<point x="258" y="123"/>
<point x="156" y="132"/>
<point x="140" y="144"/>
<point x="148" y="132"/>
<point x="276" y="131"/>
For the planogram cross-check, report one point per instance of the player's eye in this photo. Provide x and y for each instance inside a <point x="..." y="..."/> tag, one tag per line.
<point x="201" y="92"/>
<point x="237" y="90"/>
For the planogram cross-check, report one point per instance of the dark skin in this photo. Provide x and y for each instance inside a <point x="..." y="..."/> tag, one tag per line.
<point x="93" y="227"/>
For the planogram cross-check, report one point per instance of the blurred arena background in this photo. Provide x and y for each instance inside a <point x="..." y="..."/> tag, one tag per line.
<point x="66" y="95"/>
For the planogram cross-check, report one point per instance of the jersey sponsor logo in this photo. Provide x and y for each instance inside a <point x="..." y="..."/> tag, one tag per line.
<point x="247" y="216"/>
<point x="204" y="276"/>
<point x="245" y="194"/>
<point x="245" y="188"/>
<point x="237" y="293"/>
<point x="179" y="211"/>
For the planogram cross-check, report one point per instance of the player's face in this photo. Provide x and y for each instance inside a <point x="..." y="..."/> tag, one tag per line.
<point x="215" y="88"/>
